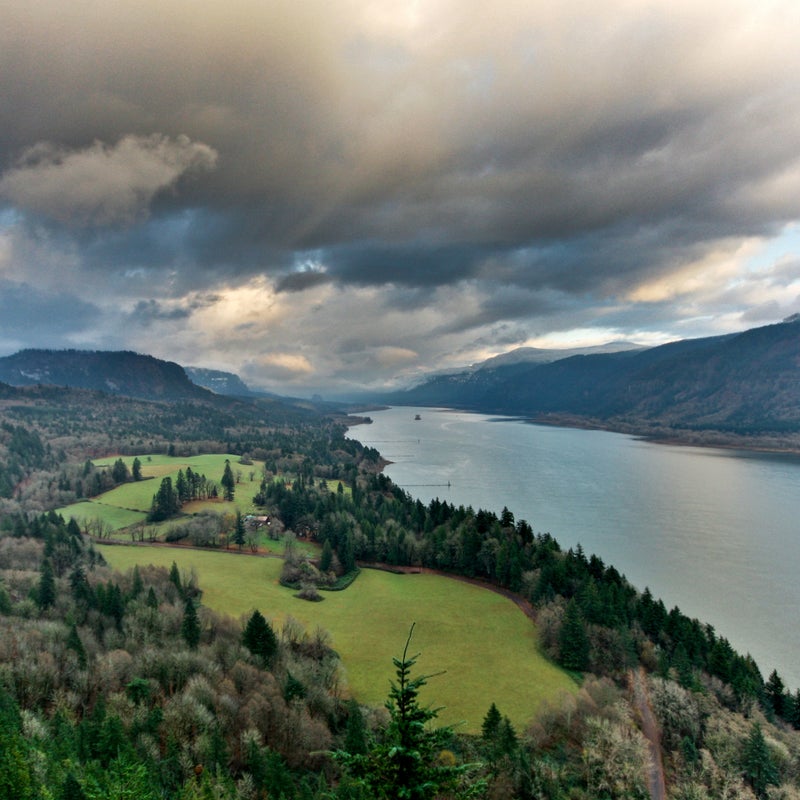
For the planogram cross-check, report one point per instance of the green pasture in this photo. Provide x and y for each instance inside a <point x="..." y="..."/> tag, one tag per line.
<point x="111" y="515"/>
<point x="129" y="503"/>
<point x="485" y="645"/>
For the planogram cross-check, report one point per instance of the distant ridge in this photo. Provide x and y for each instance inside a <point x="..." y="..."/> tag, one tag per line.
<point x="220" y="382"/>
<point x="746" y="383"/>
<point x="537" y="355"/>
<point x="114" y="372"/>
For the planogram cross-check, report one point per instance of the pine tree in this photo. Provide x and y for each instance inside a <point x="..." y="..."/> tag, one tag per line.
<point x="355" y="736"/>
<point x="491" y="724"/>
<point x="137" y="469"/>
<point x="572" y="639"/>
<point x="71" y="789"/>
<point x="46" y="595"/>
<point x="405" y="764"/>
<point x="190" y="627"/>
<point x="175" y="577"/>
<point x="75" y="644"/>
<point x="137" y="586"/>
<point x="119" y="472"/>
<point x="775" y="693"/>
<point x="228" y="482"/>
<point x="238" y="531"/>
<point x="759" y="769"/>
<point x="327" y="556"/>
<point x="165" y="502"/>
<point x="794" y="716"/>
<point x="259" y="638"/>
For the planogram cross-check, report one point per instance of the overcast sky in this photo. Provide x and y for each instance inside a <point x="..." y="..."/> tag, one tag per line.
<point x="326" y="194"/>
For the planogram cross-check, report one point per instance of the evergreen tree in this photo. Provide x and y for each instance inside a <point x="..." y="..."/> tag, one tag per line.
<point x="405" y="763"/>
<point x="71" y="789"/>
<point x="137" y="469"/>
<point x="759" y="769"/>
<point x="775" y="693"/>
<point x="165" y="502"/>
<point x="228" y="482"/>
<point x="259" y="638"/>
<point x="190" y="626"/>
<point x="327" y="556"/>
<point x="355" y="736"/>
<point x="175" y="577"/>
<point x="119" y="472"/>
<point x="491" y="724"/>
<point x="347" y="554"/>
<point x="794" y="707"/>
<point x="16" y="780"/>
<point x="182" y="486"/>
<point x="573" y="640"/>
<point x="5" y="599"/>
<point x="238" y="531"/>
<point x="75" y="644"/>
<point x="137" y="586"/>
<point x="46" y="594"/>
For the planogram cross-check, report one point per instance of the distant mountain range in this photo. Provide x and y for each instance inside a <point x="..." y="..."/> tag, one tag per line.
<point x="746" y="383"/>
<point x="114" y="372"/>
<point x="138" y="376"/>
<point x="536" y="355"/>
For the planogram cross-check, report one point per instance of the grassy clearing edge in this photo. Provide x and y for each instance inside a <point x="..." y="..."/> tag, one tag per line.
<point x="460" y="630"/>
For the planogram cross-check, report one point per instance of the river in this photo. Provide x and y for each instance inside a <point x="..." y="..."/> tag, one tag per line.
<point x="714" y="532"/>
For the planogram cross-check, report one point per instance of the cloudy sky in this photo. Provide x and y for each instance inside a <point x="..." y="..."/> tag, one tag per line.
<point x="328" y="194"/>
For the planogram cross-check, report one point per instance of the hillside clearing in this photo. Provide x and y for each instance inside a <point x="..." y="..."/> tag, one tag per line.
<point x="485" y="645"/>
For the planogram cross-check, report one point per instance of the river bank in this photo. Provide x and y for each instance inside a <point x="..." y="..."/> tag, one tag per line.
<point x="709" y="529"/>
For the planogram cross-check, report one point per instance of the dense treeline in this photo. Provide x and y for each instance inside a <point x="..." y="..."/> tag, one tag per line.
<point x="23" y="452"/>
<point x="591" y="617"/>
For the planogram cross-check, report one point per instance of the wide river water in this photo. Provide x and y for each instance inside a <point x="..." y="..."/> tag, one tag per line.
<point x="714" y="532"/>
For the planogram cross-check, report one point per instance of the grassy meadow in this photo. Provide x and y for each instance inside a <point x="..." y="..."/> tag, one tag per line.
<point x="129" y="503"/>
<point x="484" y="643"/>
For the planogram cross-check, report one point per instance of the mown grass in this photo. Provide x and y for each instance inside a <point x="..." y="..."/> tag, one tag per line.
<point x="485" y="645"/>
<point x="113" y="517"/>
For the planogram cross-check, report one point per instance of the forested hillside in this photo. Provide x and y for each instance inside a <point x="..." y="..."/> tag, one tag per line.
<point x="126" y="685"/>
<point x="745" y="385"/>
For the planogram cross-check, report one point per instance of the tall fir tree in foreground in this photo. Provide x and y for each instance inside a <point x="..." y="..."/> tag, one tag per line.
<point x="408" y="762"/>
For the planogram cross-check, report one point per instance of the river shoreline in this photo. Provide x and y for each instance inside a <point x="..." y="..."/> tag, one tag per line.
<point x="656" y="434"/>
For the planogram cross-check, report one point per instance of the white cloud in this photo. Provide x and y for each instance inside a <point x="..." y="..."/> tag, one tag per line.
<point x="101" y="184"/>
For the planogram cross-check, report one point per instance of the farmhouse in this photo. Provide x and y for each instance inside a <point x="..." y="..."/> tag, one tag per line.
<point x="253" y="521"/>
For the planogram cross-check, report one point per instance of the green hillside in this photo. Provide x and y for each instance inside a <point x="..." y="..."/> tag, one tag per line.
<point x="460" y="629"/>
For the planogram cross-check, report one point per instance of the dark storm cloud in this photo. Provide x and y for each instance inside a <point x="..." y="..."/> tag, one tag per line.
<point x="300" y="281"/>
<point x="536" y="166"/>
<point x="415" y="265"/>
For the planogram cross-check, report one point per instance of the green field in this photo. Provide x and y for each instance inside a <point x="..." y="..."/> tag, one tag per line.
<point x="485" y="644"/>
<point x="112" y="516"/>
<point x="130" y="502"/>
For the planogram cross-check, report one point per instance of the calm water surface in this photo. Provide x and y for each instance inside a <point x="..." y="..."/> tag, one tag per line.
<point x="715" y="532"/>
